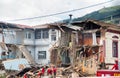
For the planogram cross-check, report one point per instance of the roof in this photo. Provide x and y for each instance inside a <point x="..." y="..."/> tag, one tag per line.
<point x="7" y="25"/>
<point x="11" y="25"/>
<point x="41" y="26"/>
<point x="100" y="23"/>
<point x="50" y="25"/>
<point x="24" y="26"/>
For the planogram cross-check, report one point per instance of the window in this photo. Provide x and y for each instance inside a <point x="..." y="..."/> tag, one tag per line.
<point x="45" y="34"/>
<point x="53" y="35"/>
<point x="41" y="54"/>
<point x="98" y="34"/>
<point x="28" y="35"/>
<point x="115" y="48"/>
<point x="42" y="34"/>
<point x="38" y="35"/>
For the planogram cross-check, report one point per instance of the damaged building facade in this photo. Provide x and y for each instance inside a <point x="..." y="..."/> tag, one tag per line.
<point x="101" y="41"/>
<point x="45" y="37"/>
<point x="89" y="45"/>
<point x="94" y="45"/>
<point x="32" y="43"/>
<point x="13" y="40"/>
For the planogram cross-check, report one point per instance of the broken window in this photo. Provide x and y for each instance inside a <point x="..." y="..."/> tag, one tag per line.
<point x="98" y="34"/>
<point x="115" y="49"/>
<point x="41" y="54"/>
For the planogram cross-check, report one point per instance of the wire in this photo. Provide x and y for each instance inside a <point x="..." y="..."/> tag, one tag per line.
<point x="60" y="12"/>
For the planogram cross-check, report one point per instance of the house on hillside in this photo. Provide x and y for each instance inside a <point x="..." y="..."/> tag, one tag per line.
<point x="100" y="43"/>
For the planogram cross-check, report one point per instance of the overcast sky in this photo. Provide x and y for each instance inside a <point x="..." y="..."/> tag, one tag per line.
<point x="20" y="9"/>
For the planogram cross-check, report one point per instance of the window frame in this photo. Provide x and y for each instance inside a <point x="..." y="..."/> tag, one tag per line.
<point x="28" y="35"/>
<point x="45" y="34"/>
<point x="115" y="48"/>
<point x="43" y="57"/>
<point x="42" y="34"/>
<point x="53" y="35"/>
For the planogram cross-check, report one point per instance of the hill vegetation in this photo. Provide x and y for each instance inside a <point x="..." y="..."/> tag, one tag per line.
<point x="104" y="14"/>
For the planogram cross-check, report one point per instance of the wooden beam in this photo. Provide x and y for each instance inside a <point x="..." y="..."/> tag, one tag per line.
<point x="60" y="28"/>
<point x="91" y="31"/>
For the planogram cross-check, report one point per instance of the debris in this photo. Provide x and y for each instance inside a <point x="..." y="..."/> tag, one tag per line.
<point x="16" y="64"/>
<point x="22" y="72"/>
<point x="27" y="55"/>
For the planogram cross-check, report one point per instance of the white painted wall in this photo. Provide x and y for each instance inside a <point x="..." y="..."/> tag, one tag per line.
<point x="108" y="47"/>
<point x="9" y="36"/>
<point x="42" y="48"/>
<point x="42" y="42"/>
<point x="45" y="45"/>
<point x="19" y="37"/>
<point x="31" y="50"/>
<point x="26" y="40"/>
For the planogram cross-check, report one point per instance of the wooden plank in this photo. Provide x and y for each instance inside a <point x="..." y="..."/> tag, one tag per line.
<point x="27" y="55"/>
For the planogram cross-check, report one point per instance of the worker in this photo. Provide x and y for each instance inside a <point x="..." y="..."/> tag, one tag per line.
<point x="43" y="70"/>
<point x="115" y="65"/>
<point x="39" y="74"/>
<point x="49" y="72"/>
<point x="54" y="71"/>
<point x="25" y="75"/>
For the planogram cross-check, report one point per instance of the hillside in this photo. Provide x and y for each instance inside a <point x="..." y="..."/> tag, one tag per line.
<point x="104" y="14"/>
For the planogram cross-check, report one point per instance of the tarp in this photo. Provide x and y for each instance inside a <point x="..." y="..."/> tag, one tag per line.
<point x="16" y="64"/>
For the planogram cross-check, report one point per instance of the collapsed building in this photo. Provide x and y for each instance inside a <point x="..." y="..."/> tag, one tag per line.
<point x="93" y="45"/>
<point x="83" y="46"/>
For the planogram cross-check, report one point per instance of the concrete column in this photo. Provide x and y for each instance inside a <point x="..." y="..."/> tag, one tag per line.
<point x="94" y="38"/>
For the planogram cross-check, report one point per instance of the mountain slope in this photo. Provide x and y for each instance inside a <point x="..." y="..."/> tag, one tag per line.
<point x="104" y="14"/>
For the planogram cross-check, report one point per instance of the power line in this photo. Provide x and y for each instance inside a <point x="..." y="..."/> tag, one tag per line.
<point x="60" y="12"/>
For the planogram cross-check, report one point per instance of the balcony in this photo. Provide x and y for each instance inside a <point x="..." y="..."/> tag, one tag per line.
<point x="28" y="41"/>
<point x="42" y="42"/>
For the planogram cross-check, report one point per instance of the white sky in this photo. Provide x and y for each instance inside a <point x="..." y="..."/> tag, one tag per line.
<point x="19" y="9"/>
